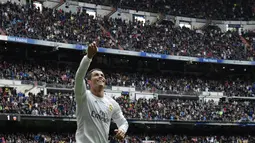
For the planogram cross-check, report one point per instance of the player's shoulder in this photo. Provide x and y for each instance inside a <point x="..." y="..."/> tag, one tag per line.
<point x="87" y="92"/>
<point x="110" y="99"/>
<point x="113" y="104"/>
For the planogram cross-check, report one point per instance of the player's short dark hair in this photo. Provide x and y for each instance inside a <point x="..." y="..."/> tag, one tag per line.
<point x="89" y="74"/>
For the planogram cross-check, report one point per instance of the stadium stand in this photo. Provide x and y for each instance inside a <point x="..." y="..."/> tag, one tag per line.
<point x="69" y="138"/>
<point x="218" y="10"/>
<point x="180" y="105"/>
<point x="171" y="40"/>
<point x="63" y="104"/>
<point x="250" y="38"/>
<point x="64" y="78"/>
<point x="24" y="21"/>
<point x="222" y="10"/>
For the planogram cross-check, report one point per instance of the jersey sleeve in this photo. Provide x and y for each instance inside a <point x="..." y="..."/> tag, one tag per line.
<point x="119" y="118"/>
<point x="80" y="85"/>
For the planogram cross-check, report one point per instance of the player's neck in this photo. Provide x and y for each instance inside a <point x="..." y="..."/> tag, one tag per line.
<point x="97" y="92"/>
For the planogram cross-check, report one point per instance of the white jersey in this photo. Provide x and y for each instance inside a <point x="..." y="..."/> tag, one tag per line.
<point x="93" y="113"/>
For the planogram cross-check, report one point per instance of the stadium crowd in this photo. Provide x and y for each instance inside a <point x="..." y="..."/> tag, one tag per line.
<point x="63" y="104"/>
<point x="221" y="10"/>
<point x="185" y="110"/>
<point x="57" y="25"/>
<point x="167" y="39"/>
<point x="69" y="138"/>
<point x="157" y="83"/>
<point x="188" y="139"/>
<point x="217" y="10"/>
<point x="250" y="38"/>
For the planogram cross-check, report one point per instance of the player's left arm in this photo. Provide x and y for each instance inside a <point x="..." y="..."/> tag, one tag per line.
<point x="120" y="120"/>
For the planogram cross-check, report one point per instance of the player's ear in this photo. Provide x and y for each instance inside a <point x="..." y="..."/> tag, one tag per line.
<point x="89" y="82"/>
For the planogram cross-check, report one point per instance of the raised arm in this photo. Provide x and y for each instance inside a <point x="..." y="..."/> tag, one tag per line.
<point x="80" y="86"/>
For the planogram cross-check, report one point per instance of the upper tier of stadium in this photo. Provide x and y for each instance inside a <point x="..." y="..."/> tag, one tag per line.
<point x="162" y="38"/>
<point x="210" y="9"/>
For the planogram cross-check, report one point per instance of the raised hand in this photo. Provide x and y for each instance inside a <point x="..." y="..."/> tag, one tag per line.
<point x="92" y="50"/>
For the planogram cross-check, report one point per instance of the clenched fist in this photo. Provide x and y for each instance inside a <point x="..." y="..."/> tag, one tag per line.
<point x="120" y="135"/>
<point x="92" y="50"/>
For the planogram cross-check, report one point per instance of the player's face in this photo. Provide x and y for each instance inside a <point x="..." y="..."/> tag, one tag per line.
<point x="97" y="79"/>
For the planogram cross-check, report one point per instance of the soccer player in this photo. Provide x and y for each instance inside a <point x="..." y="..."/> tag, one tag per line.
<point x="94" y="110"/>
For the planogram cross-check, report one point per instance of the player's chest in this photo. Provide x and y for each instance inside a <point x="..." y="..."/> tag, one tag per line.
<point x="101" y="109"/>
